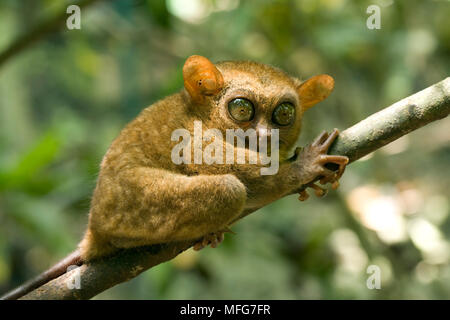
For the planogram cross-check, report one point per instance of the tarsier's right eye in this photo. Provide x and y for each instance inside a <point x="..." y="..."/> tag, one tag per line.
<point x="241" y="109"/>
<point x="283" y="114"/>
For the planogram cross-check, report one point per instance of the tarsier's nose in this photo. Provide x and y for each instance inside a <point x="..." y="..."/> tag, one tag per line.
<point x="263" y="131"/>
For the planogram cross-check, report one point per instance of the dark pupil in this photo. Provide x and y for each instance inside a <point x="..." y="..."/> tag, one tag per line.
<point x="241" y="109"/>
<point x="283" y="114"/>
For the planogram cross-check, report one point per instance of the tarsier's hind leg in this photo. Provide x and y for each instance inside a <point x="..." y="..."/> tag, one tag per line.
<point x="174" y="207"/>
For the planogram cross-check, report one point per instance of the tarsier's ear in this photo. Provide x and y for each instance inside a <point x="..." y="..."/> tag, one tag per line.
<point x="201" y="78"/>
<point x="314" y="90"/>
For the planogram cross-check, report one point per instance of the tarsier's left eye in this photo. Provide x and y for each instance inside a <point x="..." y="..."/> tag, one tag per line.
<point x="241" y="109"/>
<point x="283" y="114"/>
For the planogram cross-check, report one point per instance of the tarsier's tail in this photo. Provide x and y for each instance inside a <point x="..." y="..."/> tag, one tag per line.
<point x="58" y="269"/>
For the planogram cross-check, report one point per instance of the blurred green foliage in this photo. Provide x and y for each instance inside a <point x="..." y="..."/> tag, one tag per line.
<point x="64" y="100"/>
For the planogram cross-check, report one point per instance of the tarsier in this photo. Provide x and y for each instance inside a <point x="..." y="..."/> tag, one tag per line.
<point x="143" y="198"/>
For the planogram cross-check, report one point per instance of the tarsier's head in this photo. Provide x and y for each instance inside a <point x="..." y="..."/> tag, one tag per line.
<point x="243" y="94"/>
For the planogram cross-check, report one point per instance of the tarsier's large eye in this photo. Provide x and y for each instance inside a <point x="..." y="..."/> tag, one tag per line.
<point x="283" y="114"/>
<point x="241" y="109"/>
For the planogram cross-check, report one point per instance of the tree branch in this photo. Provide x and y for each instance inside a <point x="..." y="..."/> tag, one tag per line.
<point x="389" y="124"/>
<point x="366" y="136"/>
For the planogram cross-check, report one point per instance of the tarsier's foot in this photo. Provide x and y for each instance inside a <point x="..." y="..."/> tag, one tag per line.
<point x="319" y="149"/>
<point x="213" y="239"/>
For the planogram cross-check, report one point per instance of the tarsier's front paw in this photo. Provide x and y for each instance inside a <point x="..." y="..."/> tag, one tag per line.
<point x="316" y="156"/>
<point x="213" y="239"/>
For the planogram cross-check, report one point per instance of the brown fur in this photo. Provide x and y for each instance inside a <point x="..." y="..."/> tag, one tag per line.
<point x="143" y="198"/>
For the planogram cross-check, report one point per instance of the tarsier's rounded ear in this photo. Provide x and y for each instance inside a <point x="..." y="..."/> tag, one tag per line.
<point x="314" y="90"/>
<point x="201" y="78"/>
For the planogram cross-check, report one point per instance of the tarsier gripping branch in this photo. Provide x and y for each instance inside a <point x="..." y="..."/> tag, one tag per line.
<point x="144" y="197"/>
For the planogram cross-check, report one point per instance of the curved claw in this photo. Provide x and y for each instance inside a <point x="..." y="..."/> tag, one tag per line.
<point x="198" y="246"/>
<point x="329" y="140"/>
<point x="320" y="139"/>
<point x="319" y="191"/>
<point x="303" y="195"/>
<point x="342" y="161"/>
<point x="212" y="239"/>
<point x="335" y="185"/>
